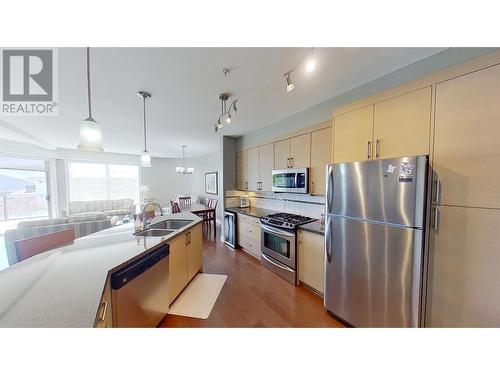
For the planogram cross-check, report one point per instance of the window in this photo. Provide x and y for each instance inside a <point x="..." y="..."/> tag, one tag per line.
<point x="93" y="181"/>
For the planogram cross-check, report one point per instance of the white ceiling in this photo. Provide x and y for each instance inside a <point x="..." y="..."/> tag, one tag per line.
<point x="186" y="83"/>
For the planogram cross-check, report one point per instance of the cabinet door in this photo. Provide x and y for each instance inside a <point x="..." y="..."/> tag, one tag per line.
<point x="281" y="154"/>
<point x="253" y="168"/>
<point x="402" y="125"/>
<point x="177" y="278"/>
<point x="300" y="151"/>
<point x="195" y="252"/>
<point x="312" y="260"/>
<point x="467" y="139"/>
<point x="241" y="170"/>
<point x="321" y="155"/>
<point x="353" y="133"/>
<point x="266" y="166"/>
<point x="464" y="269"/>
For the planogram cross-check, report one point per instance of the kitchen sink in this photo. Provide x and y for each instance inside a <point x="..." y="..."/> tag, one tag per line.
<point x="154" y="232"/>
<point x="171" y="224"/>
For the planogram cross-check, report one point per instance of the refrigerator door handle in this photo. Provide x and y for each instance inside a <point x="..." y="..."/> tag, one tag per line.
<point x="437" y="197"/>
<point x="435" y="222"/>
<point x="329" y="189"/>
<point x="328" y="239"/>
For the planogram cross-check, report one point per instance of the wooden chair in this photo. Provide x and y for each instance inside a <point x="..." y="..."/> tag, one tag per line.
<point x="36" y="245"/>
<point x="184" y="202"/>
<point x="175" y="207"/>
<point x="209" y="217"/>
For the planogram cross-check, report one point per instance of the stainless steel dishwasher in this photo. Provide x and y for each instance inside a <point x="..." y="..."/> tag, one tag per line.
<point x="139" y="291"/>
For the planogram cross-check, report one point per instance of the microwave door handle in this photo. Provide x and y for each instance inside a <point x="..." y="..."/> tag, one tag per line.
<point x="296" y="180"/>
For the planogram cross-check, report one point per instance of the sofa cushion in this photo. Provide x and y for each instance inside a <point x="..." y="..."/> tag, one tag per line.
<point x="77" y="207"/>
<point x="117" y="212"/>
<point x="40" y="223"/>
<point x="86" y="217"/>
<point x="87" y="213"/>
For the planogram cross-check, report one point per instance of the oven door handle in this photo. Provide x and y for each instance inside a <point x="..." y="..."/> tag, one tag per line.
<point x="277" y="231"/>
<point x="276" y="264"/>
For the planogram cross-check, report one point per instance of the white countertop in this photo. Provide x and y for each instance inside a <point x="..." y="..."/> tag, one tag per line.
<point x="63" y="287"/>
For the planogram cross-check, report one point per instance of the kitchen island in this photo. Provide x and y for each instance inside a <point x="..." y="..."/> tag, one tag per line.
<point x="64" y="287"/>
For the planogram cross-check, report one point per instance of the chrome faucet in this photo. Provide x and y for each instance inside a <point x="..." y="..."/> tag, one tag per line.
<point x="148" y="221"/>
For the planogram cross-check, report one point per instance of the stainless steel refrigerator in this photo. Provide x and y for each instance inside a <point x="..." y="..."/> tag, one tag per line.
<point x="374" y="236"/>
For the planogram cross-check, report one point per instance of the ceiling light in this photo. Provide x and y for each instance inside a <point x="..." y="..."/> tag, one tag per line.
<point x="226" y="115"/>
<point x="145" y="157"/>
<point x="228" y="118"/>
<point x="289" y="85"/>
<point x="310" y="65"/>
<point x="183" y="169"/>
<point x="90" y="130"/>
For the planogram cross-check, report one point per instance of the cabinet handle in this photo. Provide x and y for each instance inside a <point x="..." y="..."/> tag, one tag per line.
<point x="246" y="185"/>
<point x="435" y="222"/>
<point x="369" y="150"/>
<point x="288" y="162"/>
<point x="103" y="308"/>
<point x="312" y="187"/>
<point x="377" y="148"/>
<point x="291" y="166"/>
<point x="437" y="197"/>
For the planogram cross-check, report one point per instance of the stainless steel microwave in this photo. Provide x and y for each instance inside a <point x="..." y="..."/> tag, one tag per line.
<point x="291" y="180"/>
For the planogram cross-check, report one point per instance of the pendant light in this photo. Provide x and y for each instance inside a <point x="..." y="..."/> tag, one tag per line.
<point x="145" y="157"/>
<point x="90" y="130"/>
<point x="183" y="169"/>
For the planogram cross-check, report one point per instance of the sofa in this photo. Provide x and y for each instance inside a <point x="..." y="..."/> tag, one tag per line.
<point x="82" y="226"/>
<point x="110" y="207"/>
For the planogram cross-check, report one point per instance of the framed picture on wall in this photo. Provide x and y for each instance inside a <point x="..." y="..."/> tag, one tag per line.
<point x="211" y="183"/>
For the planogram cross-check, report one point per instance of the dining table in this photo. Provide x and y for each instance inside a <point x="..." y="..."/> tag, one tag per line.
<point x="201" y="210"/>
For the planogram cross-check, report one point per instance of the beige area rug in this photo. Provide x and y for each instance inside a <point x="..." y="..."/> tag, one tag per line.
<point x="199" y="297"/>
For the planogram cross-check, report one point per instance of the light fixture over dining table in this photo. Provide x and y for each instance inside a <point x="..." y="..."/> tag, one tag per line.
<point x="183" y="169"/>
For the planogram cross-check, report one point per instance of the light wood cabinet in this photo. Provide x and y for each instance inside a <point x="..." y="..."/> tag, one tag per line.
<point x="311" y="261"/>
<point x="282" y="154"/>
<point x="467" y="139"/>
<point x="242" y="170"/>
<point x="194" y="251"/>
<point x="249" y="234"/>
<point x="177" y="269"/>
<point x="300" y="151"/>
<point x="253" y="169"/>
<point x="321" y="155"/>
<point x="352" y="135"/>
<point x="266" y="166"/>
<point x="464" y="269"/>
<point x="401" y="125"/>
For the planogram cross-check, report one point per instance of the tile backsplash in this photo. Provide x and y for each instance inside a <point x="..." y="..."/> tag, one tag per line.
<point x="301" y="204"/>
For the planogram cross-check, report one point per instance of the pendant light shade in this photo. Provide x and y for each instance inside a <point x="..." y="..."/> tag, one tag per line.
<point x="90" y="130"/>
<point x="145" y="157"/>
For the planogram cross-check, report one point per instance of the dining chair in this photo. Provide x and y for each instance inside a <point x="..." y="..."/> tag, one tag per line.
<point x="36" y="245"/>
<point x="209" y="217"/>
<point x="175" y="207"/>
<point x="184" y="202"/>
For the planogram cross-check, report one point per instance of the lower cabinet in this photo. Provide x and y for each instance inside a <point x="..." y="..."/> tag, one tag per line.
<point x="311" y="261"/>
<point x="248" y="229"/>
<point x="104" y="316"/>
<point x="186" y="259"/>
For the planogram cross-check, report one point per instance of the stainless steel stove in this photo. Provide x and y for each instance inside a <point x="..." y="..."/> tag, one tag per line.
<point x="278" y="243"/>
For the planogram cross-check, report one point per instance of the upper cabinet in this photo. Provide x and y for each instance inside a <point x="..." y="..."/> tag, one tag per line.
<point x="242" y="170"/>
<point x="395" y="127"/>
<point x="467" y="140"/>
<point x="266" y="166"/>
<point x="353" y="134"/>
<point x="282" y="154"/>
<point x="293" y="152"/>
<point x="401" y="125"/>
<point x="253" y="176"/>
<point x="321" y="155"/>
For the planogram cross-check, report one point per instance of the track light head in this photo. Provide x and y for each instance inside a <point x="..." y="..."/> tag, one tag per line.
<point x="228" y="118"/>
<point x="289" y="85"/>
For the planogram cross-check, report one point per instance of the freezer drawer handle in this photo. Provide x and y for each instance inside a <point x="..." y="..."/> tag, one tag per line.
<point x="102" y="309"/>
<point x="435" y="222"/>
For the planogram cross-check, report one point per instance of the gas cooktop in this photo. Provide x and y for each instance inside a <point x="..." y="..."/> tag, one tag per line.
<point x="284" y="220"/>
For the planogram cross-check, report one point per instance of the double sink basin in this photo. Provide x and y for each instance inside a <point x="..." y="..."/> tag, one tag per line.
<point x="163" y="228"/>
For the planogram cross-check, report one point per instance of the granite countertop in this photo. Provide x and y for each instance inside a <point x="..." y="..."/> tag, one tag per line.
<point x="251" y="211"/>
<point x="63" y="287"/>
<point x="314" y="227"/>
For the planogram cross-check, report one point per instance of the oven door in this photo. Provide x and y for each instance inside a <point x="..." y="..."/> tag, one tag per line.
<point x="279" y="244"/>
<point x="290" y="180"/>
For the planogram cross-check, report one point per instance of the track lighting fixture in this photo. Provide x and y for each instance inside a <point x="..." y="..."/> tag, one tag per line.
<point x="226" y="115"/>
<point x="309" y="64"/>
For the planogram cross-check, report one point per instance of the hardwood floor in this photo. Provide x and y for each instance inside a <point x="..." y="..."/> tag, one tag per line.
<point x="253" y="296"/>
